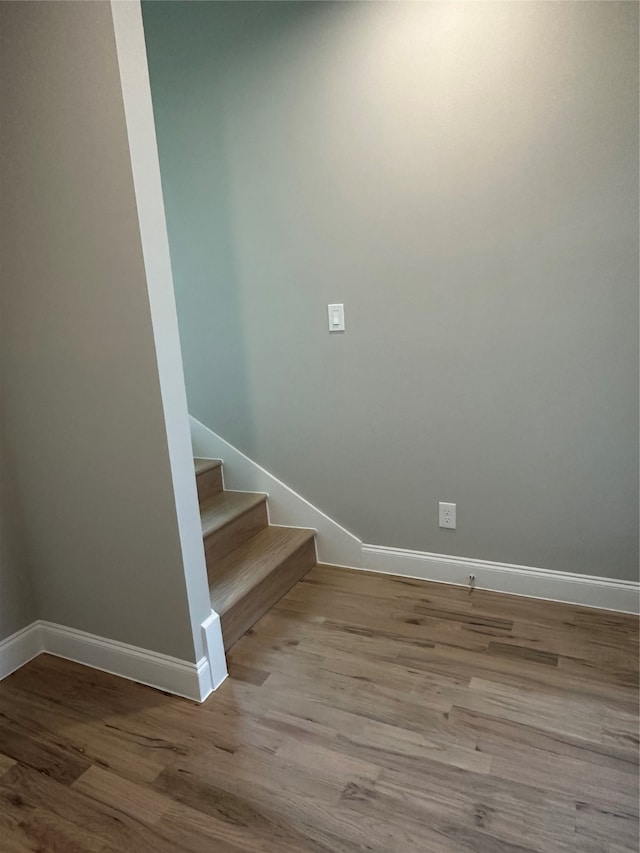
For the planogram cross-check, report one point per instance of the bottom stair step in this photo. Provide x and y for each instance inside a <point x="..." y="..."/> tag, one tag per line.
<point x="248" y="581"/>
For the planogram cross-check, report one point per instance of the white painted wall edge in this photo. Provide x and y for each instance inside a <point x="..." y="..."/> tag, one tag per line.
<point x="334" y="544"/>
<point x="193" y="681"/>
<point x="214" y="653"/>
<point x="585" y="590"/>
<point x="19" y="649"/>
<point x="145" y="168"/>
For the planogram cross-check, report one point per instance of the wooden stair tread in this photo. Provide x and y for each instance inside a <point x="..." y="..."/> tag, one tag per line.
<point x="251" y="562"/>
<point x="202" y="465"/>
<point x="220" y="509"/>
<point x="250" y="565"/>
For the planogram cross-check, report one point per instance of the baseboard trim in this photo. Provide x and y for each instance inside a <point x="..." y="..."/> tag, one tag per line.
<point x="214" y="650"/>
<point x="585" y="590"/>
<point x="286" y="508"/>
<point x="163" y="672"/>
<point x="172" y="675"/>
<point x="196" y="681"/>
<point x="19" y="649"/>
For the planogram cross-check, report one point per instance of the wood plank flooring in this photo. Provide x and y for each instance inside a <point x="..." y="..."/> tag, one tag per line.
<point x="362" y="713"/>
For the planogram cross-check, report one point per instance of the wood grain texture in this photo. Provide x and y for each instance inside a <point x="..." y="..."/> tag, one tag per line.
<point x="351" y="721"/>
<point x="255" y="576"/>
<point x="254" y="561"/>
<point x="250" y="565"/>
<point x="208" y="477"/>
<point x="228" y="519"/>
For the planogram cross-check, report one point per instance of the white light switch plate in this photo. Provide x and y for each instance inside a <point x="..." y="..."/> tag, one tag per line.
<point x="336" y="317"/>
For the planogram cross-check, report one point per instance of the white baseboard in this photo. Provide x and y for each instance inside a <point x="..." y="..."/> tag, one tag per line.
<point x="602" y="593"/>
<point x="182" y="678"/>
<point x="163" y="672"/>
<point x="334" y="544"/>
<point x="19" y="649"/>
<point x="196" y="681"/>
<point x="215" y="656"/>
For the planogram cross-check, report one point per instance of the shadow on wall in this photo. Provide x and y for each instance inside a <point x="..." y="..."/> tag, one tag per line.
<point x="195" y="137"/>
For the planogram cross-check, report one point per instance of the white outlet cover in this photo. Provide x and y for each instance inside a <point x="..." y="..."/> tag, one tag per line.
<point x="447" y="515"/>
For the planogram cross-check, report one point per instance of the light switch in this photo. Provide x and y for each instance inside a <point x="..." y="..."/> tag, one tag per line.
<point x="336" y="318"/>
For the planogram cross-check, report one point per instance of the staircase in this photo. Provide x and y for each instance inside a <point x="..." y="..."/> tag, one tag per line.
<point x="250" y="564"/>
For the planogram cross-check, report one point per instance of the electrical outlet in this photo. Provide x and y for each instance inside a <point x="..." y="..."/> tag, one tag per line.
<point x="447" y="515"/>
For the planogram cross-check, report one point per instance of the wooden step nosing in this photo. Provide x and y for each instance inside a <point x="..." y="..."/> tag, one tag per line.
<point x="286" y="551"/>
<point x="211" y="466"/>
<point x="216" y="527"/>
<point x="249" y="492"/>
<point x="286" y="547"/>
<point x="235" y="600"/>
<point x="311" y="534"/>
<point x="249" y="609"/>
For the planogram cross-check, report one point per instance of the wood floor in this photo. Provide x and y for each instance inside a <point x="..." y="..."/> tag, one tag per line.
<point x="363" y="713"/>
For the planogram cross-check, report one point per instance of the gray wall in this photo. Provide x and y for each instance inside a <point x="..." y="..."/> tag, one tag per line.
<point x="17" y="604"/>
<point x="464" y="177"/>
<point x="84" y="421"/>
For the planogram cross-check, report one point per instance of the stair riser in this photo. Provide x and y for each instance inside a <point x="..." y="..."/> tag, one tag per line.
<point x="209" y="483"/>
<point x="220" y="542"/>
<point x="236" y="621"/>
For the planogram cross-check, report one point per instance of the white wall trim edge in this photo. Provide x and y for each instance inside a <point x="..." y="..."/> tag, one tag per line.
<point x="145" y="169"/>
<point x="334" y="544"/>
<point x="19" y="648"/>
<point x="215" y="656"/>
<point x="182" y="678"/>
<point x="585" y="590"/>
